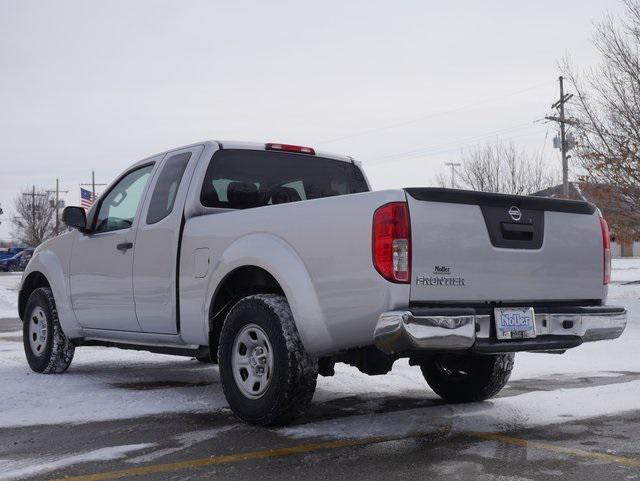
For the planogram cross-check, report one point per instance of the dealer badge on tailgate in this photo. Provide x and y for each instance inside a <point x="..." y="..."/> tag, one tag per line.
<point x="515" y="323"/>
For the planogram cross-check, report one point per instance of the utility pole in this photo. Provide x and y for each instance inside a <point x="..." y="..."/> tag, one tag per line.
<point x="93" y="185"/>
<point x="57" y="205"/>
<point x="564" y="147"/>
<point x="33" y="196"/>
<point x="453" y="172"/>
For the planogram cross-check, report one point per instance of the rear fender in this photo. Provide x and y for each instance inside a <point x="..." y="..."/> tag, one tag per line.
<point x="280" y="260"/>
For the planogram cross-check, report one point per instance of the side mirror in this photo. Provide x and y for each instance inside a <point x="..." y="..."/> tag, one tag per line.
<point x="75" y="217"/>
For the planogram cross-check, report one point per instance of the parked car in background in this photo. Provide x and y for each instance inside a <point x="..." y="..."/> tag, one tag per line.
<point x="10" y="252"/>
<point x="277" y="261"/>
<point x="16" y="262"/>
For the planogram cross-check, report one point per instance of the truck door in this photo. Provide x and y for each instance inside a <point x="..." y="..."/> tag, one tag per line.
<point x="157" y="243"/>
<point x="101" y="267"/>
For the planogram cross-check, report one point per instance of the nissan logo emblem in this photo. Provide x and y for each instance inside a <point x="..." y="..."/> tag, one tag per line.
<point x="515" y="213"/>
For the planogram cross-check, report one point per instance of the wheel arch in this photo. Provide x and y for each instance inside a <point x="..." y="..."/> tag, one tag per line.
<point x="33" y="281"/>
<point x="241" y="282"/>
<point x="264" y="263"/>
<point x="46" y="269"/>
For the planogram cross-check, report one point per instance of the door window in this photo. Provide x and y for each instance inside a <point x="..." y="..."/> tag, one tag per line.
<point x="164" y="194"/>
<point x="118" y="209"/>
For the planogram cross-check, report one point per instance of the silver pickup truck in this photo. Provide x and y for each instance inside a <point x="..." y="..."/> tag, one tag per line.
<point x="276" y="261"/>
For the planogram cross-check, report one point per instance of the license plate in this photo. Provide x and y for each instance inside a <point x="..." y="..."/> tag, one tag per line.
<point x="515" y="323"/>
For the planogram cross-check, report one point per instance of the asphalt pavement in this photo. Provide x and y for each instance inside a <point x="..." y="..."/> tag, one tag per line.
<point x="217" y="445"/>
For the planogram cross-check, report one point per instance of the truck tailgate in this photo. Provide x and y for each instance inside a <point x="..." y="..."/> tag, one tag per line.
<point x="478" y="247"/>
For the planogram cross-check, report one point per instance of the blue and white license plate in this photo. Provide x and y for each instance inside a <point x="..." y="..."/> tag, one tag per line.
<point x="515" y="323"/>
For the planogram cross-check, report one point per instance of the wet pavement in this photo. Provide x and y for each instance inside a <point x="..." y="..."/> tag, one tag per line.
<point x="211" y="446"/>
<point x="216" y="445"/>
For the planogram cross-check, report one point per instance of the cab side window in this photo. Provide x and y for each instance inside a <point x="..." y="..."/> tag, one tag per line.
<point x="166" y="189"/>
<point x="118" y="209"/>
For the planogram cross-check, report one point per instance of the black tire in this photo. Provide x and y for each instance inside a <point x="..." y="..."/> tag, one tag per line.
<point x="55" y="353"/>
<point x="292" y="380"/>
<point x="467" y="378"/>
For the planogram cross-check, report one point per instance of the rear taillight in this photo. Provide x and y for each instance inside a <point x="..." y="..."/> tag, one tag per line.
<point x="392" y="242"/>
<point x="298" y="149"/>
<point x="606" y="249"/>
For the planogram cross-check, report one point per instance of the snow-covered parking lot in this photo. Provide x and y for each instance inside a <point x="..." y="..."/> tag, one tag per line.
<point x="132" y="395"/>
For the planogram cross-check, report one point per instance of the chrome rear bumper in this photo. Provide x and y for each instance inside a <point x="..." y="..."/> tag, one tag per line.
<point x="458" y="329"/>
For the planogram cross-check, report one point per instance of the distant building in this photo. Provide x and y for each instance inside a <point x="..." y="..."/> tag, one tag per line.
<point x="624" y="227"/>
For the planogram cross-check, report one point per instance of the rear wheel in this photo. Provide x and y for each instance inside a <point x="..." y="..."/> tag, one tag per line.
<point x="267" y="376"/>
<point x="47" y="349"/>
<point x="467" y="378"/>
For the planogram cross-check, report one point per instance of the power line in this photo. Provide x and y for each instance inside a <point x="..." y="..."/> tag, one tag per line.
<point x="563" y="121"/>
<point x="93" y="185"/>
<point x="57" y="191"/>
<point x="453" y="172"/>
<point x="453" y="145"/>
<point x="430" y="115"/>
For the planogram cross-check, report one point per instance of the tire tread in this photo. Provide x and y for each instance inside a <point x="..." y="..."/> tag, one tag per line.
<point x="302" y="369"/>
<point x="62" y="349"/>
<point x="488" y="381"/>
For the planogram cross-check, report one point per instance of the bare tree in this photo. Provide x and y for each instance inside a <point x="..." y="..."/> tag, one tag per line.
<point x="502" y="167"/>
<point x="34" y="217"/>
<point x="607" y="110"/>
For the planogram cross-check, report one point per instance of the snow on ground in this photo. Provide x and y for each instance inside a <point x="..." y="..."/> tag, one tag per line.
<point x="27" y="468"/>
<point x="184" y="441"/>
<point x="105" y="384"/>
<point x="9" y="284"/>
<point x="538" y="408"/>
<point x="625" y="269"/>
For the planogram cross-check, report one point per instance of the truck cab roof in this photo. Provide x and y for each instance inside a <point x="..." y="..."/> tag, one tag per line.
<point x="242" y="145"/>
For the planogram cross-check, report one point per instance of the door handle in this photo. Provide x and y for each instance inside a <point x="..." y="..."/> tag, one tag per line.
<point x="124" y="246"/>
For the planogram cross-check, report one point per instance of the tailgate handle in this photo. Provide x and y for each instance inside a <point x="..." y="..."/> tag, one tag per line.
<point x="522" y="232"/>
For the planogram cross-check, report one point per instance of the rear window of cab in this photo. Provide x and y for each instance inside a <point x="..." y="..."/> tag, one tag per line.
<point x="242" y="179"/>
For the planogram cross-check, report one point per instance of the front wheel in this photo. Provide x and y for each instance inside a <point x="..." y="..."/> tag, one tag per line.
<point x="467" y="378"/>
<point x="267" y="376"/>
<point x="47" y="349"/>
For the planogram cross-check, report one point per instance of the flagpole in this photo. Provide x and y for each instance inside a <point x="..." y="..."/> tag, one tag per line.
<point x="93" y="185"/>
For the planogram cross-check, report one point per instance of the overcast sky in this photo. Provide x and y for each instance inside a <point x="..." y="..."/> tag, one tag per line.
<point x="401" y="86"/>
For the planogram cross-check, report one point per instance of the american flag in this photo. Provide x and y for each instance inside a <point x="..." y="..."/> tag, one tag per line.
<point x="87" y="198"/>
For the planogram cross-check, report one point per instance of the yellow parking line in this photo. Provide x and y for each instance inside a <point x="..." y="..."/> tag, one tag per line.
<point x="308" y="448"/>
<point x="248" y="456"/>
<point x="578" y="453"/>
